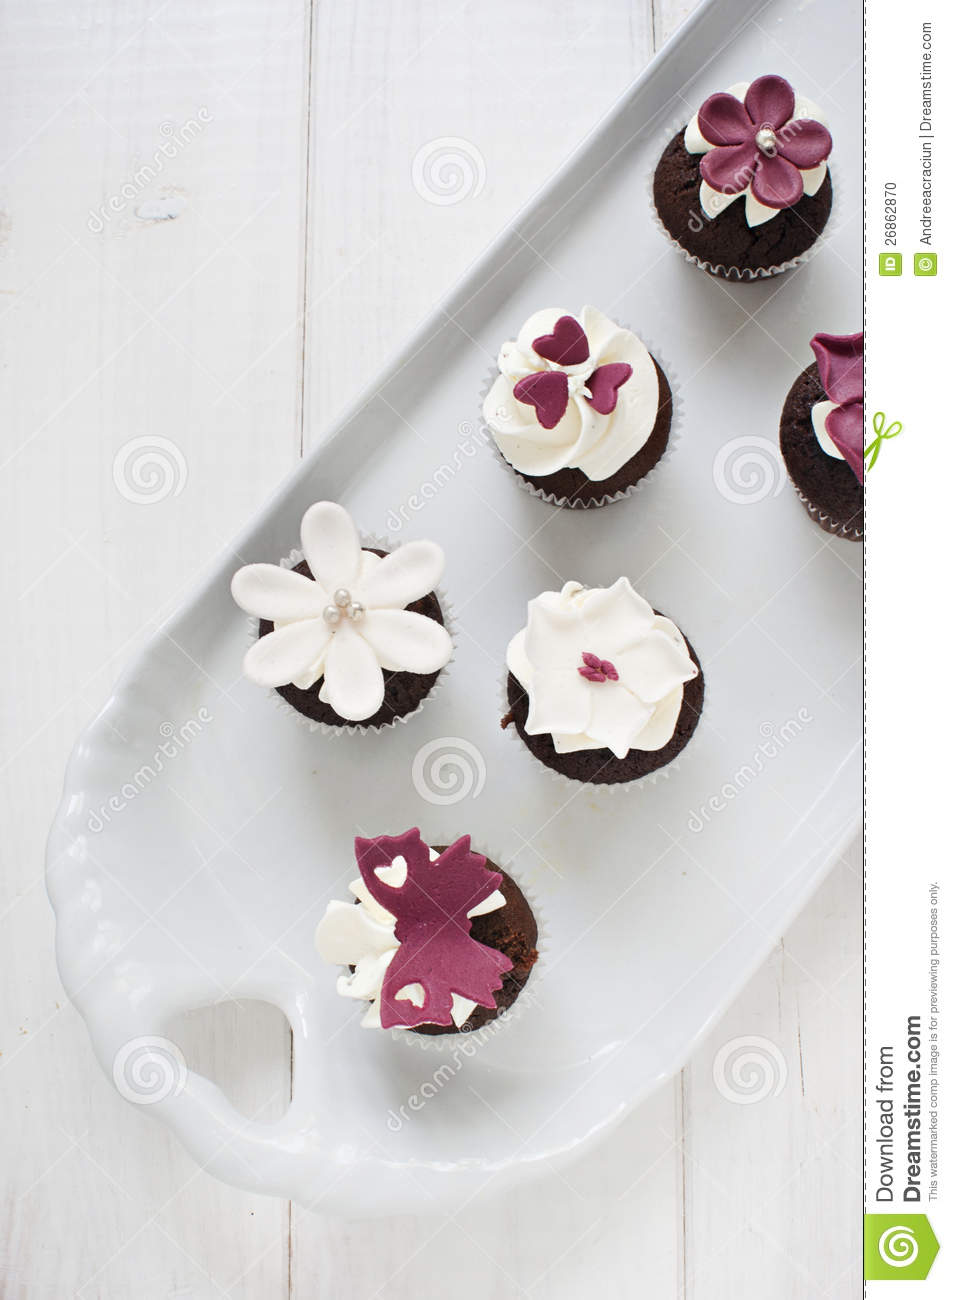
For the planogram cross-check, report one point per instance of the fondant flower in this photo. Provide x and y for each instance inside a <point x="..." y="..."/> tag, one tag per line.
<point x="759" y="140"/>
<point x="348" y="622"/>
<point x="602" y="670"/>
<point x="840" y="364"/>
<point x="580" y="393"/>
<point x="409" y="941"/>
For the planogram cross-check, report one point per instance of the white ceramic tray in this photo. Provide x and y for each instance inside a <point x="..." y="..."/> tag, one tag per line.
<point x="205" y="879"/>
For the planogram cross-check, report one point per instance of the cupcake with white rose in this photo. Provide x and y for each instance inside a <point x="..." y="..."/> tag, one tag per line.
<point x="434" y="940"/>
<point x="745" y="189"/>
<point x="822" y="435"/>
<point x="580" y="410"/>
<point x="601" y="687"/>
<point x="349" y="637"/>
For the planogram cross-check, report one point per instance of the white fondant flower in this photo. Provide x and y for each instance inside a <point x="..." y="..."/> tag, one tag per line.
<point x="349" y="621"/>
<point x="597" y="442"/>
<point x="363" y="937"/>
<point x="602" y="670"/>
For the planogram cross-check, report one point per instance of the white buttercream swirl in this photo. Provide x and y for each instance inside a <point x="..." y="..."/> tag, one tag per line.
<point x="646" y="650"/>
<point x="372" y="629"/>
<point x="756" y="214"/>
<point x="584" y="438"/>
<point x="362" y="935"/>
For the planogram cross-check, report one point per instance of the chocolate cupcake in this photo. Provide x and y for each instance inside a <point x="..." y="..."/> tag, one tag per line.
<point x="440" y="941"/>
<point x="581" y="410"/>
<point x="822" y="435"/>
<point x="601" y="688"/>
<point x="744" y="190"/>
<point x="349" y="638"/>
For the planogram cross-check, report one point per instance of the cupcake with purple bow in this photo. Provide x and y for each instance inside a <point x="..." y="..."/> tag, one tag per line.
<point x="434" y="940"/>
<point x="822" y="434"/>
<point x="351" y="637"/>
<point x="744" y="190"/>
<point x="580" y="410"/>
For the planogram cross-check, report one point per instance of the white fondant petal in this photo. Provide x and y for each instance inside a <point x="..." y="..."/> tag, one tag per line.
<point x="353" y="681"/>
<point x="554" y="632"/>
<point x="813" y="178"/>
<point x="331" y="545"/>
<point x="617" y="718"/>
<point x="489" y="904"/>
<point x="347" y="933"/>
<point x="406" y="642"/>
<point x="655" y="667"/>
<point x="561" y="700"/>
<point x="460" y="1009"/>
<point x="406" y="575"/>
<point x="367" y="976"/>
<point x="614" y="618"/>
<point x="660" y="728"/>
<point x="271" y="592"/>
<point x="756" y="214"/>
<point x="290" y="653"/>
<point x="712" y="201"/>
<point x="819" y="413"/>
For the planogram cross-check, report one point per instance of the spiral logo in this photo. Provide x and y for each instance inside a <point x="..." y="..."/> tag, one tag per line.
<point x="147" y="470"/>
<point x="748" y="1070"/>
<point x="448" y="770"/>
<point x="898" y="1247"/>
<point x="748" y="469"/>
<point x="767" y="730"/>
<point x="147" y="1070"/>
<point x="448" y="170"/>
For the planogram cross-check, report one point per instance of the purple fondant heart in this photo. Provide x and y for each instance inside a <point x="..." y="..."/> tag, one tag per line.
<point x="548" y="391"/>
<point x="567" y="345"/>
<point x="604" y="384"/>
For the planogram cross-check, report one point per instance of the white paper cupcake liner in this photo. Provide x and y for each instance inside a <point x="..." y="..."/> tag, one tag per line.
<point x="573" y="785"/>
<point x="827" y="522"/>
<point x="368" y="543"/>
<point x="469" y="1043"/>
<point x="733" y="274"/>
<point x="610" y="498"/>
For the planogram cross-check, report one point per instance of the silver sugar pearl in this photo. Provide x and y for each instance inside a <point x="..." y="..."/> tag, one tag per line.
<point x="355" y="611"/>
<point x="767" y="141"/>
<point x="332" y="615"/>
<point x="342" y="597"/>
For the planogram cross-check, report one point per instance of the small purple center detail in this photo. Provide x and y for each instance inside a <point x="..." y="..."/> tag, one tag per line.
<point x="566" y="346"/>
<point x="595" y="669"/>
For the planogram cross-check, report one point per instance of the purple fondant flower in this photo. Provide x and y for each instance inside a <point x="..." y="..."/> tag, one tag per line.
<point x="760" y="143"/>
<point x="840" y="364"/>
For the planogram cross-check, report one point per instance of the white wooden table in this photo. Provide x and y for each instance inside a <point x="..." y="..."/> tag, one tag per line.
<point x="210" y="237"/>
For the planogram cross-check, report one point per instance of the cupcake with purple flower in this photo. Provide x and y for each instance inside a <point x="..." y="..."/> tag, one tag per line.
<point x="744" y="190"/>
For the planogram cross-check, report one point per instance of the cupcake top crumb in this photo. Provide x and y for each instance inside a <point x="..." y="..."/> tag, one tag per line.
<point x="346" y="620"/>
<point x="760" y="140"/>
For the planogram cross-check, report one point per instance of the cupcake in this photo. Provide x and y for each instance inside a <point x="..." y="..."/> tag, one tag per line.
<point x="580" y="409"/>
<point x="436" y="940"/>
<point x="761" y="143"/>
<point x="602" y="688"/>
<point x="822" y="434"/>
<point x="347" y="637"/>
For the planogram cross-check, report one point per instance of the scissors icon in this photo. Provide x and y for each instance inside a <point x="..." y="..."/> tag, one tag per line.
<point x="883" y="431"/>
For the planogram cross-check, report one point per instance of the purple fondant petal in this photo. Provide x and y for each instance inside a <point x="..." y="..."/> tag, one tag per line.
<point x="777" y="183"/>
<point x="845" y="424"/>
<point x="604" y="384"/>
<point x="432" y="926"/>
<point x="770" y="101"/>
<point x="840" y="364"/>
<point x="566" y="346"/>
<point x="730" y="168"/>
<point x="548" y="392"/>
<point x="804" y="142"/>
<point x="722" y="119"/>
